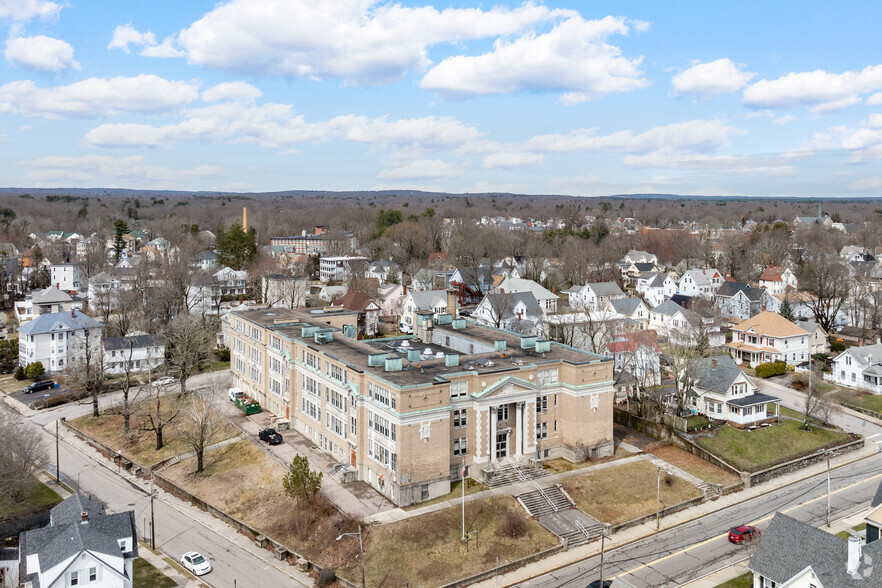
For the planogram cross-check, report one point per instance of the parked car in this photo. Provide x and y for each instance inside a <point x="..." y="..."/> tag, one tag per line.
<point x="600" y="584"/>
<point x="744" y="534"/>
<point x="271" y="436"/>
<point x="236" y="393"/>
<point x="194" y="562"/>
<point x="163" y="381"/>
<point x="39" y="386"/>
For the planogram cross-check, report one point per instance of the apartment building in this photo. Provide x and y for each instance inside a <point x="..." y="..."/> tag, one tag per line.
<point x="405" y="414"/>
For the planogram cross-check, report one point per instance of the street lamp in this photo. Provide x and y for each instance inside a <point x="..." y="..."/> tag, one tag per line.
<point x="658" y="464"/>
<point x="360" y="551"/>
<point x="828" y="453"/>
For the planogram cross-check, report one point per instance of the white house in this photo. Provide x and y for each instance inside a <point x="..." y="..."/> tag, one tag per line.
<point x="68" y="276"/>
<point x="142" y="352"/>
<point x="59" y="339"/>
<point x="635" y="256"/>
<point x="683" y="326"/>
<point x="429" y="301"/>
<point x="339" y="268"/>
<point x="720" y="390"/>
<point x="860" y="367"/>
<point x="390" y="298"/>
<point x="82" y="546"/>
<point x="632" y="308"/>
<point x="519" y="312"/>
<point x="769" y="337"/>
<point x="232" y="282"/>
<point x="738" y="300"/>
<point x="594" y="296"/>
<point x="39" y="302"/>
<point x="778" y="279"/>
<point x="817" y="336"/>
<point x="280" y="291"/>
<point x="700" y="282"/>
<point x="547" y="300"/>
<point x="656" y="287"/>
<point x="384" y="270"/>
<point x="638" y="354"/>
<point x="206" y="259"/>
<point x="799" y="303"/>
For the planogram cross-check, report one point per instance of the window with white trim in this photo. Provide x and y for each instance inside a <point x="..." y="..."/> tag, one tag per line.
<point x="337" y="400"/>
<point x="254" y="354"/>
<point x="541" y="430"/>
<point x="275" y="365"/>
<point x="381" y="395"/>
<point x="542" y="405"/>
<point x="502" y="413"/>
<point x="311" y="387"/>
<point x="336" y="425"/>
<point x="312" y="409"/>
<point x="254" y="373"/>
<point x="459" y="388"/>
<point x="461" y="446"/>
<point x="254" y="332"/>
<point x="546" y="377"/>
<point x="335" y="372"/>
<point x="275" y="387"/>
<point x="312" y="360"/>
<point x="460" y="418"/>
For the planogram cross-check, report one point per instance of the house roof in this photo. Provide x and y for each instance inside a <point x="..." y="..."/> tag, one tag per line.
<point x="427" y="299"/>
<point x="773" y="273"/>
<point x="753" y="399"/>
<point x="206" y="255"/>
<point x="626" y="306"/>
<point x="866" y="354"/>
<point x="605" y="289"/>
<point x="137" y="341"/>
<point x="632" y="341"/>
<point x="643" y="266"/>
<point x="717" y="379"/>
<point x="512" y="285"/>
<point x="668" y="307"/>
<point x="789" y="546"/>
<point x="507" y="302"/>
<point x="55" y="321"/>
<point x="353" y="301"/>
<point x="659" y="280"/>
<point x="729" y="289"/>
<point x="50" y="295"/>
<point x="808" y="326"/>
<point x="770" y="324"/>
<point x="71" y="509"/>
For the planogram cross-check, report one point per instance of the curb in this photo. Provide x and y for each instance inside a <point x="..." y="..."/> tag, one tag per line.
<point x="685" y="521"/>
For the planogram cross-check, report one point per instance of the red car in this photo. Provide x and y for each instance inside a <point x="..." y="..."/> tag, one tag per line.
<point x="744" y="534"/>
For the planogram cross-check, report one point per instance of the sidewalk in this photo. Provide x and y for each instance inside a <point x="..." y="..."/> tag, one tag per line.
<point x="589" y="550"/>
<point x="186" y="510"/>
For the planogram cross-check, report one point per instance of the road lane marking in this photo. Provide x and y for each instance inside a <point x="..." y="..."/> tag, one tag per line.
<point x="754" y="523"/>
<point x="876" y="435"/>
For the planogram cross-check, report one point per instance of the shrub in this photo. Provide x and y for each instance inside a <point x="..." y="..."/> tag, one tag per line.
<point x="836" y="346"/>
<point x="767" y="370"/>
<point x="18" y="373"/>
<point x="669" y="480"/>
<point x="34" y="370"/>
<point x="326" y="577"/>
<point x="223" y="355"/>
<point x="514" y="526"/>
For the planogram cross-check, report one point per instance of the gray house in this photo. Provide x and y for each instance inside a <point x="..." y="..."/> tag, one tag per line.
<point x="738" y="300"/>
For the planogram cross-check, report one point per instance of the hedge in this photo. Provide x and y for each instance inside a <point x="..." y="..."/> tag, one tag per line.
<point x="767" y="370"/>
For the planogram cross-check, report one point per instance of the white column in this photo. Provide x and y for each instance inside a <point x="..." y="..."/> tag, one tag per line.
<point x="529" y="432"/>
<point x="519" y="429"/>
<point x="492" y="434"/>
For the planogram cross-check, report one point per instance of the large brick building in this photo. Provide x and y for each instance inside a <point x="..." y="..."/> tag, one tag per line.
<point x="405" y="413"/>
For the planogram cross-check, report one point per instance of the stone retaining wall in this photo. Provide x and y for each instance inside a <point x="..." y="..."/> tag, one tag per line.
<point x="505" y="568"/>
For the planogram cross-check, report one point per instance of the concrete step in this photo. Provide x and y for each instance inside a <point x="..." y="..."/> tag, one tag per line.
<point x="537" y="505"/>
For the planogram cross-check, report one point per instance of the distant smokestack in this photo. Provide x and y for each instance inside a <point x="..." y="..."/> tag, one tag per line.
<point x="244" y="219"/>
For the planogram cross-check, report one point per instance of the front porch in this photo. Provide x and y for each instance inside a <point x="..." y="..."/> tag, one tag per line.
<point x="752" y="411"/>
<point x="752" y="355"/>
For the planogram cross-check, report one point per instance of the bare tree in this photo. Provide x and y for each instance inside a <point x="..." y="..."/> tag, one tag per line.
<point x="500" y="307"/>
<point x="155" y="418"/>
<point x="22" y="455"/>
<point x="817" y="404"/>
<point x="826" y="279"/>
<point x="204" y="423"/>
<point x="87" y="376"/>
<point x="188" y="342"/>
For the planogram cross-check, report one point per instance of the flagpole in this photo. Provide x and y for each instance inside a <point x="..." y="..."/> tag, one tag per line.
<point x="463" y="470"/>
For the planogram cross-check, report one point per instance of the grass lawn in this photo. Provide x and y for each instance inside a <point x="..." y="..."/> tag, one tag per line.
<point x="696" y="466"/>
<point x="696" y="422"/>
<point x="146" y="576"/>
<point x="742" y="581"/>
<point x="863" y="399"/>
<point x="455" y="492"/>
<point x="141" y="446"/>
<point x="215" y="366"/>
<point x="39" y="498"/>
<point x="559" y="465"/>
<point x="434" y="554"/>
<point x="754" y="450"/>
<point x="789" y="412"/>
<point x="626" y="492"/>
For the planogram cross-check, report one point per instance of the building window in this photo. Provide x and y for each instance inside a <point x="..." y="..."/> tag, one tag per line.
<point x="460" y="446"/>
<point x="93" y="574"/>
<point x="460" y="418"/>
<point x="502" y="413"/>
<point x="459" y="388"/>
<point x="847" y="360"/>
<point x="74" y="578"/>
<point x="546" y="377"/>
<point x="541" y="431"/>
<point x="542" y="405"/>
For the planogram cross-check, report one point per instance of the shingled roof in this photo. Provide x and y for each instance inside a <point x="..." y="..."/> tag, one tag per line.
<point x="770" y="324"/>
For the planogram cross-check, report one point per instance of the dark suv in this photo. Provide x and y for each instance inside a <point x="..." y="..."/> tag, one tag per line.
<point x="39" y="386"/>
<point x="270" y="436"/>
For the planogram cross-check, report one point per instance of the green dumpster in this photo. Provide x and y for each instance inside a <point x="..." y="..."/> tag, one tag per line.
<point x="247" y="406"/>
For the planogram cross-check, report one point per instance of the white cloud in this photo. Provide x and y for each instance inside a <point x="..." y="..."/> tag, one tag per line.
<point x="421" y="169"/>
<point x="875" y="99"/>
<point x="871" y="184"/>
<point x="112" y="172"/>
<point x="364" y="42"/>
<point x="23" y="10"/>
<point x="428" y="132"/>
<point x="40" y="53"/>
<point x="25" y="129"/>
<point x="776" y="120"/>
<point x="573" y="58"/>
<point x="97" y="97"/>
<point x="125" y="35"/>
<point x="232" y="92"/>
<point x="834" y="105"/>
<point x="813" y="88"/>
<point x="512" y="159"/>
<point x="166" y="49"/>
<point x="641" y="26"/>
<point x="708" y="79"/>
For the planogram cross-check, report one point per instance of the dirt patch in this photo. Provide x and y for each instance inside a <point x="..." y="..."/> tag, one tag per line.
<point x="695" y="465"/>
<point x="632" y="437"/>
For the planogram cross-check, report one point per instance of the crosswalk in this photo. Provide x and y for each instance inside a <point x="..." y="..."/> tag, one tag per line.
<point x="879" y="442"/>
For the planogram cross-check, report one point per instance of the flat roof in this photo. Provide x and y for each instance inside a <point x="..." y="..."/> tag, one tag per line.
<point x="425" y="370"/>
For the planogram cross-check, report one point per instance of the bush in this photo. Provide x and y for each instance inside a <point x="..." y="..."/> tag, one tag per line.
<point x="18" y="373"/>
<point x="326" y="577"/>
<point x="767" y="370"/>
<point x="34" y="370"/>
<point x="223" y="355"/>
<point x="514" y="526"/>
<point x="836" y="346"/>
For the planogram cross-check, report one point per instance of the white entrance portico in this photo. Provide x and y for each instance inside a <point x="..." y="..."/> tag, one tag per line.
<point x="509" y="407"/>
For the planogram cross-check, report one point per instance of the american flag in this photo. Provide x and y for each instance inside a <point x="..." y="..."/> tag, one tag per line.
<point x="462" y="472"/>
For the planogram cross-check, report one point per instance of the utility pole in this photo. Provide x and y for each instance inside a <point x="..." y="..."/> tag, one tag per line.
<point x="57" y="466"/>
<point x="602" y="540"/>
<point x="152" y="526"/>
<point x="828" y="489"/>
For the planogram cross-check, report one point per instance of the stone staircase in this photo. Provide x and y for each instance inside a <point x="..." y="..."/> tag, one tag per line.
<point x="513" y="474"/>
<point x="544" y="501"/>
<point x="710" y="491"/>
<point x="578" y="537"/>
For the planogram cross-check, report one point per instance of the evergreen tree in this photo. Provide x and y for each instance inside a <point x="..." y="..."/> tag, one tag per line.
<point x="235" y="247"/>
<point x="786" y="311"/>
<point x="120" y="228"/>
<point x="301" y="483"/>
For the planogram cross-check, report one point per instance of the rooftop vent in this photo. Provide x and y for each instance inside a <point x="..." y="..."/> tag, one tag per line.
<point x="308" y="331"/>
<point x="459" y="323"/>
<point x="413" y="354"/>
<point x="543" y="346"/>
<point x="444" y="319"/>
<point x="324" y="336"/>
<point x="528" y="342"/>
<point x="377" y="359"/>
<point x="451" y="360"/>
<point x="499" y="345"/>
<point x="393" y="364"/>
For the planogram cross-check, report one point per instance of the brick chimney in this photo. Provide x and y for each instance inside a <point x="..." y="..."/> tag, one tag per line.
<point x="319" y="229"/>
<point x="451" y="302"/>
<point x="72" y="315"/>
<point x="84" y="517"/>
<point x="713" y="364"/>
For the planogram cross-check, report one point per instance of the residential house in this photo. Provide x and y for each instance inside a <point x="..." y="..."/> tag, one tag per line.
<point x="409" y="433"/>
<point x="683" y="326"/>
<point x="808" y="221"/>
<point x="368" y="324"/>
<point x="68" y="276"/>
<point x="206" y="259"/>
<point x="59" y="339"/>
<point x="700" y="282"/>
<point x="817" y="337"/>
<point x="471" y="285"/>
<point x="850" y="253"/>
<point x="282" y="291"/>
<point x="423" y="280"/>
<point x="329" y="293"/>
<point x="860" y="367"/>
<point x="547" y="300"/>
<point x="232" y="282"/>
<point x="390" y="298"/>
<point x="428" y="302"/>
<point x="793" y="554"/>
<point x="44" y="301"/>
<point x="635" y="256"/>
<point x="82" y="546"/>
<point x="769" y="337"/>
<point x="778" y="279"/>
<point x="800" y="303"/>
<point x="142" y="352"/>
<point x="204" y="295"/>
<point x="595" y="296"/>
<point x="632" y="308"/>
<point x="721" y="391"/>
<point x="318" y="243"/>
<point x="518" y="312"/>
<point x="638" y="354"/>
<point x="384" y="270"/>
<point x="738" y="300"/>
<point x="656" y="287"/>
<point x="339" y="268"/>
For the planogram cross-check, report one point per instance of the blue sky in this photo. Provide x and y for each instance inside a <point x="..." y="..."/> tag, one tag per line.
<point x="582" y="98"/>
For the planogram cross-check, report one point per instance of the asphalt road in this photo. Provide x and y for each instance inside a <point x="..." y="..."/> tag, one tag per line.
<point x="177" y="532"/>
